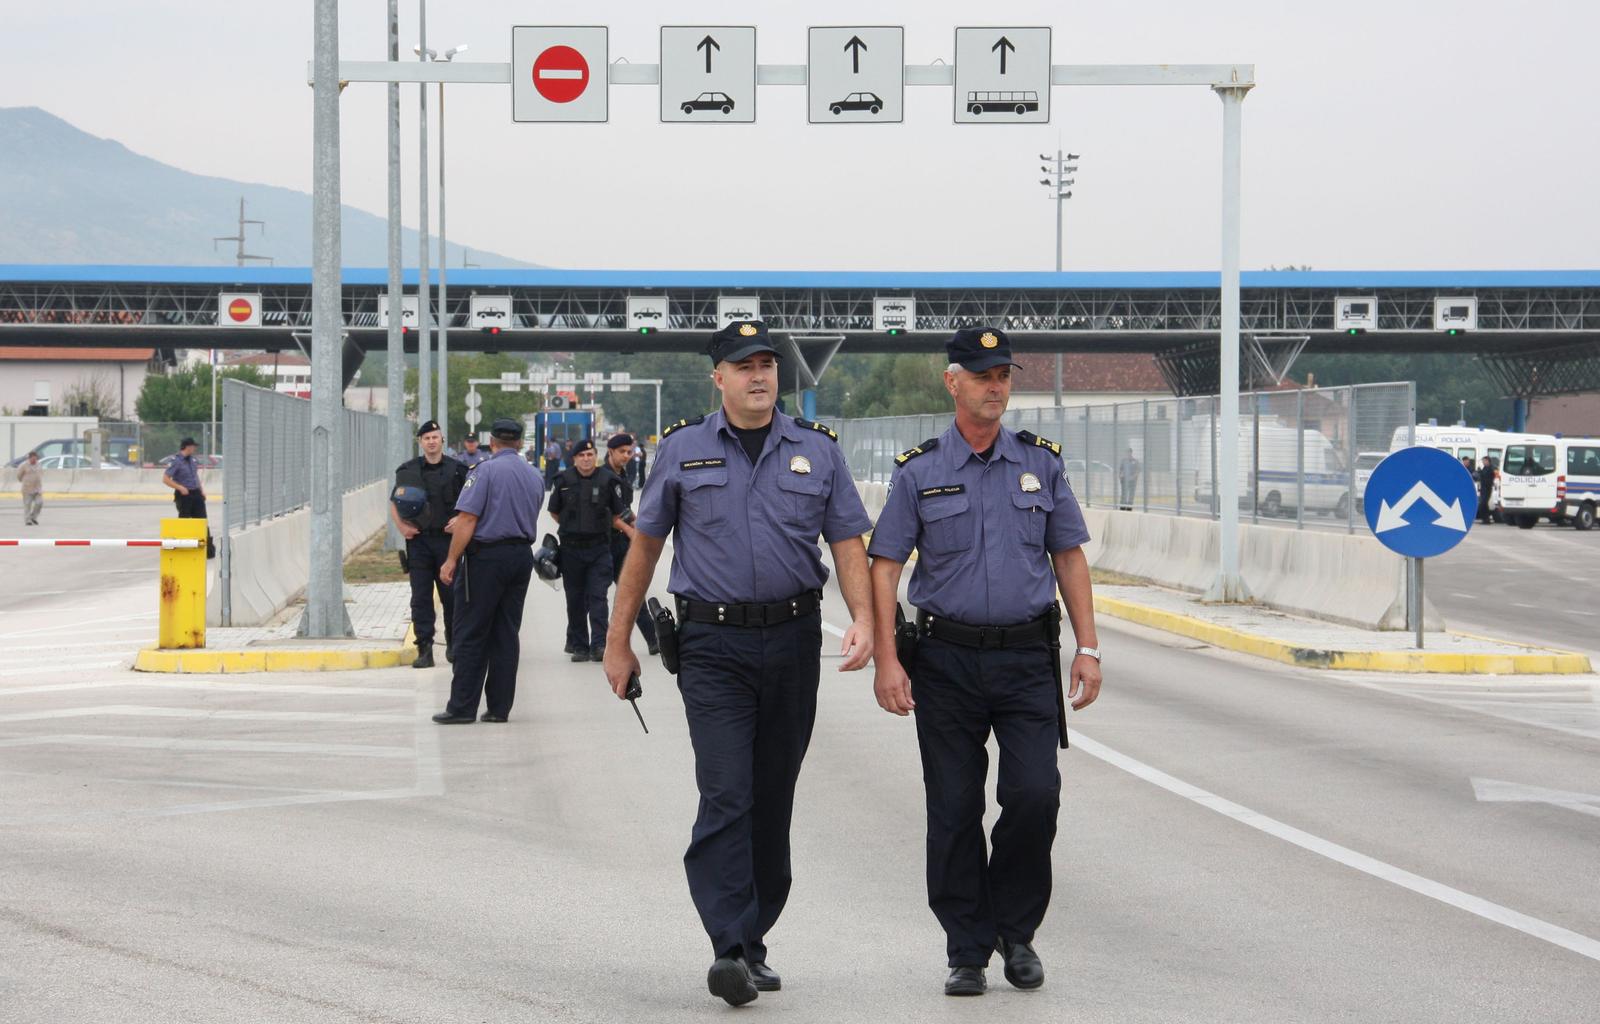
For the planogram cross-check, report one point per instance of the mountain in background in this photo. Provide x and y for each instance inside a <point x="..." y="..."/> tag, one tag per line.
<point x="70" y="197"/>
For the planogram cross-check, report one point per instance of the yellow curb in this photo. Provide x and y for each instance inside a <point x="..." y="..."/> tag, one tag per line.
<point x="1542" y="663"/>
<point x="204" y="662"/>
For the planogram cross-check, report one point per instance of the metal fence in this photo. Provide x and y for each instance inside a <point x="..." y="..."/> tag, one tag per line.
<point x="266" y="452"/>
<point x="1304" y="453"/>
<point x="125" y="443"/>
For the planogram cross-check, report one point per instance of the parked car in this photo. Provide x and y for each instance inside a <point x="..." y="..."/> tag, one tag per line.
<point x="76" y="462"/>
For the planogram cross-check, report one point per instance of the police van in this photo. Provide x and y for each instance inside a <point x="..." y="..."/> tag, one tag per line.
<point x="1462" y="442"/>
<point x="1532" y="484"/>
<point x="1281" y="474"/>
<point x="1581" y="458"/>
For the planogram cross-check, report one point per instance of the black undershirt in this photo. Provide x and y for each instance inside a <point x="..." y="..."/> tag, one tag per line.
<point x="752" y="440"/>
<point x="988" y="453"/>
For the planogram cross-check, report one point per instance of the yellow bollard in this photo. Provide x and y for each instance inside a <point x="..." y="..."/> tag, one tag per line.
<point x="183" y="586"/>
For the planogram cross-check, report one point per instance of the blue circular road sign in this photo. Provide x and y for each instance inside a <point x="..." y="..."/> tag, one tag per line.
<point x="1420" y="502"/>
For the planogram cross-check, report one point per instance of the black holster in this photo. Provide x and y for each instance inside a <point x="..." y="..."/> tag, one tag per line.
<point x="666" y="635"/>
<point x="905" y="636"/>
<point x="1053" y="630"/>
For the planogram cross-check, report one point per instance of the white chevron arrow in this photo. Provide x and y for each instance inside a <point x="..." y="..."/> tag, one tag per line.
<point x="1498" y="791"/>
<point x="1392" y="517"/>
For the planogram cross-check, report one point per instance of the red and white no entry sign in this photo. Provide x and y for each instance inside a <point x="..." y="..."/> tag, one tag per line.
<point x="240" y="310"/>
<point x="560" y="74"/>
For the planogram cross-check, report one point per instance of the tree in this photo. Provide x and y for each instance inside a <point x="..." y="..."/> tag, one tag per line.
<point x="183" y="395"/>
<point x="92" y="395"/>
<point x="1443" y="380"/>
<point x="883" y="385"/>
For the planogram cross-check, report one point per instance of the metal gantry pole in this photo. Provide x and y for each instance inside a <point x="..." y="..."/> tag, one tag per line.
<point x="325" y="614"/>
<point x="1229" y="584"/>
<point x="399" y="436"/>
<point x="442" y="398"/>
<point x="1059" y="201"/>
<point x="424" y="362"/>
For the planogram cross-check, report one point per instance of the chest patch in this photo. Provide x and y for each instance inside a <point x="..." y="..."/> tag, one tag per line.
<point x="936" y="492"/>
<point x="703" y="464"/>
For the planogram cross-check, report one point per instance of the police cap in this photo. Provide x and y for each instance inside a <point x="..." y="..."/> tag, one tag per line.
<point x="980" y="348"/>
<point x="428" y="427"/>
<point x="740" y="340"/>
<point x="619" y="440"/>
<point x="506" y="430"/>
<point x="579" y="447"/>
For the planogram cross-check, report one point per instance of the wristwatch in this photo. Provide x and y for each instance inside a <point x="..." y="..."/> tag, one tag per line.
<point x="1093" y="652"/>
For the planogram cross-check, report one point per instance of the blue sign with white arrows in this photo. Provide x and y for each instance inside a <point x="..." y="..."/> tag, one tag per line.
<point x="1420" y="502"/>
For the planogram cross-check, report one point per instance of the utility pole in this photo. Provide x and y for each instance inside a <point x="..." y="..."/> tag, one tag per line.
<point x="239" y="255"/>
<point x="399" y="429"/>
<point x="1060" y="189"/>
<point x="424" y="363"/>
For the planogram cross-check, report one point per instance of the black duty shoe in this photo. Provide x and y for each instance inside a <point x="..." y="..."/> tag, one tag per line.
<point x="654" y="647"/>
<point x="965" y="981"/>
<point x="597" y="652"/>
<point x="571" y="649"/>
<point x="449" y="652"/>
<point x="729" y="979"/>
<point x="424" y="656"/>
<point x="446" y="718"/>
<point x="1023" y="968"/>
<point x="580" y="655"/>
<point x="765" y="978"/>
<point x="488" y="716"/>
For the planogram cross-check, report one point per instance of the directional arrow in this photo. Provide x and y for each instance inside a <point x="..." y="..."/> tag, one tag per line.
<point x="1004" y="46"/>
<point x="855" y="46"/>
<point x="1498" y="791"/>
<point x="708" y="44"/>
<point x="1392" y="517"/>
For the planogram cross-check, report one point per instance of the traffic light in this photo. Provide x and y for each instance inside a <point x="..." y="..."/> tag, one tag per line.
<point x="1355" y="330"/>
<point x="896" y="330"/>
<point x="490" y="330"/>
<point x="1452" y="332"/>
<point x="647" y="330"/>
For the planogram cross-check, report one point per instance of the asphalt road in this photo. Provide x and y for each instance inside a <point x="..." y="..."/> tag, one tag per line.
<point x="1239" y="842"/>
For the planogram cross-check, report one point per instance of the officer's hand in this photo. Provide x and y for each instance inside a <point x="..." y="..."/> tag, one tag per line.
<point x="1085" y="682"/>
<point x="892" y="687"/>
<point x="450" y="527"/>
<point x="856" y="646"/>
<point x="183" y="490"/>
<point x="447" y="571"/>
<point x="407" y="530"/>
<point x="620" y="663"/>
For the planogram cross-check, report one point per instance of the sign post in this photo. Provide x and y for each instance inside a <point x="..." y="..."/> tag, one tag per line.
<point x="1420" y="502"/>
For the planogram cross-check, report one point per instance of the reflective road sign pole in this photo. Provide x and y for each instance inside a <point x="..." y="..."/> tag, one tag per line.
<point x="1229" y="585"/>
<point x="325" y="614"/>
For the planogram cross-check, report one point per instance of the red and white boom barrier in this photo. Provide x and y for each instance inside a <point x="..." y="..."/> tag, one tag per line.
<point x="167" y="544"/>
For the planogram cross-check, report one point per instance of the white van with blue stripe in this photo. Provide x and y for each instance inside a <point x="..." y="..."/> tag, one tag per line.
<point x="1581" y="493"/>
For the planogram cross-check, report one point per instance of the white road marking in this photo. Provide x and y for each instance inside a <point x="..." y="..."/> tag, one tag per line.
<point x="229" y="805"/>
<point x="218" y="714"/>
<point x="1468" y="597"/>
<point x="1583" y="945"/>
<point x="157" y="683"/>
<point x="61" y="666"/>
<point x="192" y="745"/>
<point x="1498" y="791"/>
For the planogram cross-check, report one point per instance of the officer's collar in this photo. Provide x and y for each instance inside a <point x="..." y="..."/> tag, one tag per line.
<point x="1006" y="446"/>
<point x="782" y="425"/>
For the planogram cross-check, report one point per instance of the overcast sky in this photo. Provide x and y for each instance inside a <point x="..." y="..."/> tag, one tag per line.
<point x="1382" y="135"/>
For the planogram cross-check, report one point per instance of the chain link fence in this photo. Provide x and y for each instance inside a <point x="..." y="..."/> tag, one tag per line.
<point x="267" y="452"/>
<point x="1304" y="454"/>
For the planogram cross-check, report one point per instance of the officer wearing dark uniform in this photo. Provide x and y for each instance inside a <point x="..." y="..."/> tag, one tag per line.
<point x="997" y="529"/>
<point x="745" y="492"/>
<point x="586" y="503"/>
<point x="490" y="563"/>
<point x="620" y="460"/>
<point x="427" y="543"/>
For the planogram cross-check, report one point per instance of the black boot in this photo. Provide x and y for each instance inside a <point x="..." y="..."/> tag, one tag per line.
<point x="424" y="656"/>
<point x="449" y="652"/>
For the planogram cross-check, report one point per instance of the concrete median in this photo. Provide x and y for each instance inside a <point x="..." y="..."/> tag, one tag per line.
<point x="270" y="563"/>
<point x="109" y="484"/>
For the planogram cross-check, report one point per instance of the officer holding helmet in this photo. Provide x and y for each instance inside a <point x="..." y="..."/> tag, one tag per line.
<point x="587" y="505"/>
<point x="490" y="563"/>
<point x="745" y="492"/>
<point x="424" y="500"/>
<point x="997" y="531"/>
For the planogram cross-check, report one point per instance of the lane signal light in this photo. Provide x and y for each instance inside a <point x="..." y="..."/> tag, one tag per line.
<point x="491" y="330"/>
<point x="647" y="330"/>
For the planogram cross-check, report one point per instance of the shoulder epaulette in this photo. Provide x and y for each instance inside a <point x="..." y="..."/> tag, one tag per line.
<point x="683" y="423"/>
<point x="910" y="453"/>
<point x="821" y="428"/>
<point x="1027" y="437"/>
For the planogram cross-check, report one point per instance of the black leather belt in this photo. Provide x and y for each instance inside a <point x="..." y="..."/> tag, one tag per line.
<point x="584" y="540"/>
<point x="1023" y="634"/>
<point x="478" y="545"/>
<point x="719" y="614"/>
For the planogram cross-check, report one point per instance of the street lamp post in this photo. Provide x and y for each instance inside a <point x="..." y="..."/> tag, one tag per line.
<point x="424" y="363"/>
<point x="1059" y="185"/>
<point x="443" y="395"/>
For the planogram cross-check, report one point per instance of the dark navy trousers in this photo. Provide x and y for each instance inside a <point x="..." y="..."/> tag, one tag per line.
<point x="619" y="551"/>
<point x="750" y="695"/>
<point x="982" y="895"/>
<point x="424" y="554"/>
<point x="490" y="588"/>
<point x="585" y="577"/>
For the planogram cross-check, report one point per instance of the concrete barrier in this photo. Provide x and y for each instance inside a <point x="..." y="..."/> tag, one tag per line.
<point x="270" y="563"/>
<point x="1346" y="578"/>
<point x="108" y="481"/>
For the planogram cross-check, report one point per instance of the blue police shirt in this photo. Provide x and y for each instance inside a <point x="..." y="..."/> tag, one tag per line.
<point x="983" y="531"/>
<point x="748" y="532"/>
<point x="183" y="471"/>
<point x="505" y="493"/>
<point x="470" y="459"/>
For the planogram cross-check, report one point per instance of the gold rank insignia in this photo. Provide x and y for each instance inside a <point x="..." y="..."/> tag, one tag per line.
<point x="799" y="464"/>
<point x="748" y="330"/>
<point x="988" y="340"/>
<point x="1030" y="482"/>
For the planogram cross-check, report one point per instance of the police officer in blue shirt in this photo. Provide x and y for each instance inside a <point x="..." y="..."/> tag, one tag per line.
<point x="470" y="454"/>
<point x="427" y="537"/>
<point x="745" y="492"/>
<point x="183" y="476"/>
<point x="490" y="563"/>
<point x="997" y="530"/>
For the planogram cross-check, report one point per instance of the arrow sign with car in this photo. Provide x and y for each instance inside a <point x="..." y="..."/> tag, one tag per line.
<point x="854" y="47"/>
<point x="708" y="44"/>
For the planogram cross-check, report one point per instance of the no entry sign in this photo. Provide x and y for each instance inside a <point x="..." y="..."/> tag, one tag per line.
<point x="236" y="309"/>
<point x="558" y="73"/>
